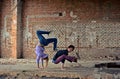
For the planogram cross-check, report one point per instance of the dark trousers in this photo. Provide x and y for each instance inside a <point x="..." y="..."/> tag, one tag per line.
<point x="45" y="41"/>
<point x="69" y="58"/>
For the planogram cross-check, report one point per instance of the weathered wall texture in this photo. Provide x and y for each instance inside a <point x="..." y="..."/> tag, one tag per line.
<point x="93" y="26"/>
<point x="0" y="28"/>
<point x="5" y="28"/>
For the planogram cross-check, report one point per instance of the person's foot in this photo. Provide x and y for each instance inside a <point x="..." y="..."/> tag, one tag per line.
<point x="45" y="67"/>
<point x="63" y="69"/>
<point x="75" y="60"/>
<point x="40" y="67"/>
<point x="49" y="32"/>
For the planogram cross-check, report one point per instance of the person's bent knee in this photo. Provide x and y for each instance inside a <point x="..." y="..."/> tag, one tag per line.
<point x="55" y="39"/>
<point x="54" y="62"/>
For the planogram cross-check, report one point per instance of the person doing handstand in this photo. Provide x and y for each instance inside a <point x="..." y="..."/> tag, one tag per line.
<point x="43" y="41"/>
<point x="40" y="55"/>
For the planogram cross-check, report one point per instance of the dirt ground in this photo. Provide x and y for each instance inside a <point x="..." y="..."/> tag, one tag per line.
<point x="27" y="69"/>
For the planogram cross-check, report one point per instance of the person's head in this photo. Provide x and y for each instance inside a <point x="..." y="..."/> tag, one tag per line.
<point x="70" y="48"/>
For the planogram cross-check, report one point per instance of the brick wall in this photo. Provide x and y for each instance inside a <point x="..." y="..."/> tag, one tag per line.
<point x="90" y="25"/>
<point x="5" y="29"/>
<point x="0" y="28"/>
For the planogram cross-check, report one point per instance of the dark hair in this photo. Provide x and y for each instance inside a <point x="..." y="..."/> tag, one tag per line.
<point x="71" y="46"/>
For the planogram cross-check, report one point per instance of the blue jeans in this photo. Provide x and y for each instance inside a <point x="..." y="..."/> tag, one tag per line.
<point x="45" y="41"/>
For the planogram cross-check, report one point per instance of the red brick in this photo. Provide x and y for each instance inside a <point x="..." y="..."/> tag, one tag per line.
<point x="86" y="11"/>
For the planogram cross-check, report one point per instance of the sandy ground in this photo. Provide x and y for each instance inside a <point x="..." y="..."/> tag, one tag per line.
<point x="27" y="69"/>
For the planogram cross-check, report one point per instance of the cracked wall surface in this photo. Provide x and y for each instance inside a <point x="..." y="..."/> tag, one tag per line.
<point x="92" y="26"/>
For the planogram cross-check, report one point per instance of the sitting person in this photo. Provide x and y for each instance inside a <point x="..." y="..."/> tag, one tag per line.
<point x="62" y="55"/>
